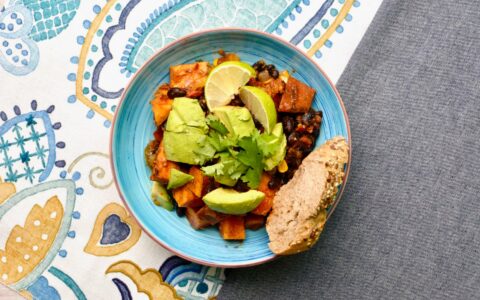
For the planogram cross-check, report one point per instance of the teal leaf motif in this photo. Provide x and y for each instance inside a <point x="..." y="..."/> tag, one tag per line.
<point x="51" y="17"/>
<point x="188" y="16"/>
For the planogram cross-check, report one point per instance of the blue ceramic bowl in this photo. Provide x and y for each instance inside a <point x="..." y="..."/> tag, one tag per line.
<point x="133" y="128"/>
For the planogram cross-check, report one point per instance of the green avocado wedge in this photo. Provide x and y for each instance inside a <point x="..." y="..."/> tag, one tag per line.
<point x="229" y="201"/>
<point x="237" y="120"/>
<point x="160" y="196"/>
<point x="185" y="136"/>
<point x="278" y="155"/>
<point x="178" y="178"/>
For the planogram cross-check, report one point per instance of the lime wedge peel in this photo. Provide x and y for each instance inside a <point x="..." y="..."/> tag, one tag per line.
<point x="224" y="81"/>
<point x="261" y="105"/>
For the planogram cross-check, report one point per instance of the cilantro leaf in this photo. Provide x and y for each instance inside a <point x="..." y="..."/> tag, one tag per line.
<point x="252" y="178"/>
<point x="250" y="154"/>
<point x="227" y="169"/>
<point x="268" y="144"/>
<point x="214" y="123"/>
<point x="212" y="170"/>
<point x="220" y="142"/>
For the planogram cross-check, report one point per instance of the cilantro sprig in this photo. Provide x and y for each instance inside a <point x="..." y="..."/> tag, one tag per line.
<point x="238" y="158"/>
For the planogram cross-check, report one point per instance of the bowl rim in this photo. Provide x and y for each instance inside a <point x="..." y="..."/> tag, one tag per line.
<point x="149" y="61"/>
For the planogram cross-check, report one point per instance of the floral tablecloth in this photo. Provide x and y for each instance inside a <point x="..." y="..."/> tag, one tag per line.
<point x="64" y="233"/>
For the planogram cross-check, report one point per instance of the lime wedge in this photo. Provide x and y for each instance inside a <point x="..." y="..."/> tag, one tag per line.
<point x="224" y="81"/>
<point x="260" y="105"/>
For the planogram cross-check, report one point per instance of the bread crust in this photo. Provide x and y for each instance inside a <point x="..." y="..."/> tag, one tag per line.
<point x="300" y="207"/>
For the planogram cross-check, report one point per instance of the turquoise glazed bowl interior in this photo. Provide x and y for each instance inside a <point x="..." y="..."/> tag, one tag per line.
<point x="133" y="128"/>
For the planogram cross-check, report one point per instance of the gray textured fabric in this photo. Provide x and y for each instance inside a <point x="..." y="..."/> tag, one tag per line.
<point x="408" y="226"/>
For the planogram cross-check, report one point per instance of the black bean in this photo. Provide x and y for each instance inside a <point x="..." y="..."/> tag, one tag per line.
<point x="211" y="185"/>
<point x="299" y="119"/>
<point x="259" y="66"/>
<point x="236" y="102"/>
<point x="241" y="186"/>
<point x="288" y="124"/>
<point x="305" y="142"/>
<point x="176" y="92"/>
<point x="274" y="73"/>
<point x="287" y="176"/>
<point x="292" y="138"/>
<point x="203" y="104"/>
<point x="294" y="153"/>
<point x="180" y="211"/>
<point x="274" y="183"/>
<point x="270" y="68"/>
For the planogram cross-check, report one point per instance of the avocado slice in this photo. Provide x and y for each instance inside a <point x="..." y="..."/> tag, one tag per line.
<point x="229" y="201"/>
<point x="186" y="113"/>
<point x="160" y="196"/>
<point x="185" y="135"/>
<point x="237" y="120"/>
<point x="225" y="179"/>
<point x="278" y="156"/>
<point x="178" y="178"/>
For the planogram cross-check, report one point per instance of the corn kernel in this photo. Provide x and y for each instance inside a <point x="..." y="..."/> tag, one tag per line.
<point x="282" y="167"/>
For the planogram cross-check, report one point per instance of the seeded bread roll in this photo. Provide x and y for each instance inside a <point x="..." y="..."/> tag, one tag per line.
<point x="299" y="207"/>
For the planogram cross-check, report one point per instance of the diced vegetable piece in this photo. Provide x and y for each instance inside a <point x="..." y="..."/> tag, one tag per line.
<point x="232" y="228"/>
<point x="227" y="57"/>
<point x="199" y="181"/>
<point x="266" y="205"/>
<point x="178" y="179"/>
<point x="160" y="196"/>
<point x="195" y="220"/>
<point x="186" y="198"/>
<point x="284" y="75"/>
<point x="161" y="167"/>
<point x="191" y="77"/>
<point x="233" y="202"/>
<point x="272" y="87"/>
<point x="210" y="216"/>
<point x="297" y="98"/>
<point x="151" y="153"/>
<point x="254" y="222"/>
<point x="161" y="104"/>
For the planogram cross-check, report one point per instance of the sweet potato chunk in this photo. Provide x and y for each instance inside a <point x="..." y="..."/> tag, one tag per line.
<point x="232" y="228"/>
<point x="162" y="166"/>
<point x="198" y="182"/>
<point x="186" y="198"/>
<point x="297" y="97"/>
<point x="266" y="205"/>
<point x="161" y="105"/>
<point x="191" y="77"/>
<point x="195" y="220"/>
<point x="273" y="87"/>
<point x="254" y="222"/>
<point x="190" y="195"/>
<point x="210" y="216"/>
